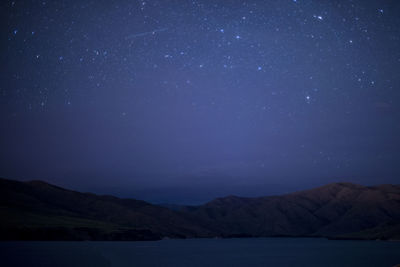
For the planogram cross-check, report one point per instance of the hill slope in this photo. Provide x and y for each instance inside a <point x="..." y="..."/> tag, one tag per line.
<point x="40" y="211"/>
<point x="340" y="210"/>
<point x="37" y="210"/>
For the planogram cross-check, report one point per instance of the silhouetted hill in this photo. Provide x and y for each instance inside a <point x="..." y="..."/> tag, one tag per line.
<point x="340" y="210"/>
<point x="39" y="211"/>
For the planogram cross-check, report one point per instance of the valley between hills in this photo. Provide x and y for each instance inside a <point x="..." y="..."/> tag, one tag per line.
<point x="37" y="210"/>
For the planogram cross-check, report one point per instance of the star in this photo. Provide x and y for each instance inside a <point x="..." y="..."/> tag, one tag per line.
<point x="319" y="17"/>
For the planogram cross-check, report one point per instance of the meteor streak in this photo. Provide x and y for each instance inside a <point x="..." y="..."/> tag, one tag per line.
<point x="132" y="36"/>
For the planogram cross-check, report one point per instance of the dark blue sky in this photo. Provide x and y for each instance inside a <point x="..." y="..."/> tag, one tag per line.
<point x="183" y="101"/>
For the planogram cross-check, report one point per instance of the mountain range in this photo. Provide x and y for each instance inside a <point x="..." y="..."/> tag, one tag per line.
<point x="37" y="210"/>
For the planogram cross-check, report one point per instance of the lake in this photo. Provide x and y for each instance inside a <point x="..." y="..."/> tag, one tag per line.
<point x="203" y="252"/>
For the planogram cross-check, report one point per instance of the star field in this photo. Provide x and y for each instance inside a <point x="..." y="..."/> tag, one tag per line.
<point x="188" y="93"/>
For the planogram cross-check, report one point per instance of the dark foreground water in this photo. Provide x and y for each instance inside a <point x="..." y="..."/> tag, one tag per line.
<point x="203" y="252"/>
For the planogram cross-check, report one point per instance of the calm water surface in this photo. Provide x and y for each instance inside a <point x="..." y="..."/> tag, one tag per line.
<point x="203" y="252"/>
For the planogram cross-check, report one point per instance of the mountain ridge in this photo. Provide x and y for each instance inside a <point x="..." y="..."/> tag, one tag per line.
<point x="37" y="210"/>
<point x="330" y="210"/>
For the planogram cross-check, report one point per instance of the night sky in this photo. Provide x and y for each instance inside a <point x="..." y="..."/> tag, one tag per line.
<point x="183" y="101"/>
